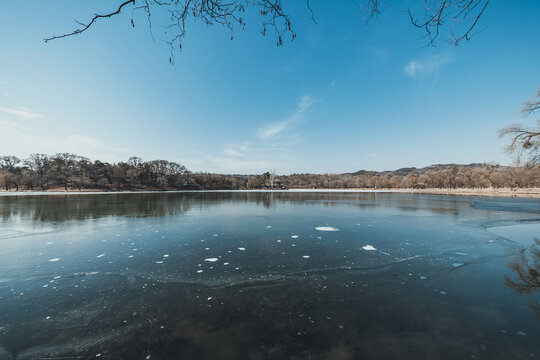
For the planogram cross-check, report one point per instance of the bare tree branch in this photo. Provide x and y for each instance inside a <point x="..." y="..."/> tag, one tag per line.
<point x="87" y="26"/>
<point x="526" y="140"/>
<point x="459" y="16"/>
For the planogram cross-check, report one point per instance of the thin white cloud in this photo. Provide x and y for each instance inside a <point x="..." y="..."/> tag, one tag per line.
<point x="427" y="66"/>
<point x="21" y="140"/>
<point x="275" y="129"/>
<point x="22" y="113"/>
<point x="235" y="150"/>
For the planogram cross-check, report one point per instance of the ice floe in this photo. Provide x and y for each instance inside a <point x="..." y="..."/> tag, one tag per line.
<point x="54" y="260"/>
<point x="305" y="256"/>
<point x="100" y="255"/>
<point x="242" y="249"/>
<point x="368" y="248"/>
<point x="211" y="259"/>
<point x="294" y="236"/>
<point x="326" y="228"/>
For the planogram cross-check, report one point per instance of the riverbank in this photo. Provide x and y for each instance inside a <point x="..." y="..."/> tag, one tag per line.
<point x="503" y="192"/>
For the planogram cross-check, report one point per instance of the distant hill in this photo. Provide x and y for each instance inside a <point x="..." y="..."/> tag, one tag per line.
<point x="409" y="170"/>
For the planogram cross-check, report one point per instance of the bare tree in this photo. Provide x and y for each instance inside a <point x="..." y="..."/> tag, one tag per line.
<point x="526" y="140"/>
<point x="457" y="19"/>
<point x="9" y="162"/>
<point x="39" y="164"/>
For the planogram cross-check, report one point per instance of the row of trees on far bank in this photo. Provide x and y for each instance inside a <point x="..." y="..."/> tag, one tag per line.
<point x="72" y="172"/>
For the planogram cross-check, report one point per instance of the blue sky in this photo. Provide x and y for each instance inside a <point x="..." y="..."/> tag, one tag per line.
<point x="343" y="96"/>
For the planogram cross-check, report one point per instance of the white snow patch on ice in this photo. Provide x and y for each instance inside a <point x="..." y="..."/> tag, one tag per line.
<point x="305" y="256"/>
<point x="242" y="249"/>
<point x="211" y="259"/>
<point x="368" y="248"/>
<point x="294" y="236"/>
<point x="326" y="228"/>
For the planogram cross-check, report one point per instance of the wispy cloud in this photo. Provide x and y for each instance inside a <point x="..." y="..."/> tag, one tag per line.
<point x="275" y="129"/>
<point x="235" y="150"/>
<point x="21" y="140"/>
<point x="22" y="113"/>
<point x="427" y="66"/>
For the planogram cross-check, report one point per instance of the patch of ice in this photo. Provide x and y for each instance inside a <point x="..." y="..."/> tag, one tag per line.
<point x="443" y="292"/>
<point x="305" y="256"/>
<point x="422" y="277"/>
<point x="268" y="227"/>
<point x="199" y="271"/>
<point x="226" y="263"/>
<point x="457" y="264"/>
<point x="54" y="260"/>
<point x="242" y="249"/>
<point x="211" y="259"/>
<point x="159" y="262"/>
<point x="49" y="243"/>
<point x="278" y="240"/>
<point x="522" y="333"/>
<point x="326" y="228"/>
<point x="368" y="248"/>
<point x="166" y="255"/>
<point x="294" y="236"/>
<point x="100" y="256"/>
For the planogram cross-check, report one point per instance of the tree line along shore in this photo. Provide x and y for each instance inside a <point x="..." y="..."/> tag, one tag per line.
<point x="70" y="172"/>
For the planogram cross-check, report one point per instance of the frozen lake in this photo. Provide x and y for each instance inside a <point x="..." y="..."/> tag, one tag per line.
<point x="269" y="276"/>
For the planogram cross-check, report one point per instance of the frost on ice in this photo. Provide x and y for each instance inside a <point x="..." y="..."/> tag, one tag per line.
<point x="326" y="228"/>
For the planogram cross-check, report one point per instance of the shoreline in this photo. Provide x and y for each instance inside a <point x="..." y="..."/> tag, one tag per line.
<point x="503" y="192"/>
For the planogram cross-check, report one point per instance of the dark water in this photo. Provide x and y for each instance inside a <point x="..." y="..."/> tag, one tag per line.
<point x="248" y="276"/>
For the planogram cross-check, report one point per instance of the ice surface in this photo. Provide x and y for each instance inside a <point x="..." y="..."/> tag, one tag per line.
<point x="368" y="248"/>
